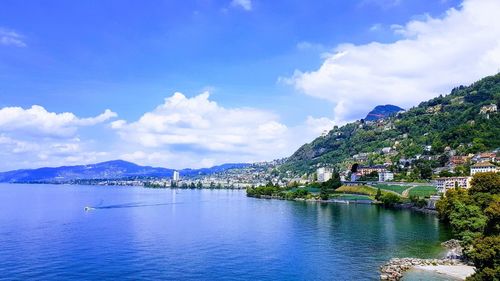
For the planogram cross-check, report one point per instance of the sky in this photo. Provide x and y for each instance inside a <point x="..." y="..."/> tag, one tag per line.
<point x="195" y="83"/>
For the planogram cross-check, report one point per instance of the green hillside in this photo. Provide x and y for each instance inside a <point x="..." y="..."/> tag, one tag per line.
<point x="447" y="122"/>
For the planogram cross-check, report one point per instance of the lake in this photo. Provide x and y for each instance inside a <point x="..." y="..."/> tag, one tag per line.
<point x="150" y="234"/>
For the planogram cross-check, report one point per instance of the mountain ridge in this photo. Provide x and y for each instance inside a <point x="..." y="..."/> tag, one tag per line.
<point x="114" y="169"/>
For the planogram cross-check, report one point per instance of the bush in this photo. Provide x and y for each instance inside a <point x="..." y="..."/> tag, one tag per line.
<point x="417" y="201"/>
<point x="390" y="199"/>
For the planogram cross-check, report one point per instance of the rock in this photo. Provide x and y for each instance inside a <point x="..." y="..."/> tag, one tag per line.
<point x="394" y="269"/>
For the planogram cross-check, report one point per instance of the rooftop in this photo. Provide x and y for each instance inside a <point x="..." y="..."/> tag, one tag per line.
<point x="483" y="165"/>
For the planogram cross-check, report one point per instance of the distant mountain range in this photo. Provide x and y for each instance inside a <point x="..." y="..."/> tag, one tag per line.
<point x="383" y="111"/>
<point x="116" y="169"/>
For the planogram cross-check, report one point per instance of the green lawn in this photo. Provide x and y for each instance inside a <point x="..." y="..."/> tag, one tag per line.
<point x="308" y="188"/>
<point x="396" y="188"/>
<point x="423" y="191"/>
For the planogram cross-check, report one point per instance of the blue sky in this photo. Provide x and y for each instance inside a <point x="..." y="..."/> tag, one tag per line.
<point x="266" y="59"/>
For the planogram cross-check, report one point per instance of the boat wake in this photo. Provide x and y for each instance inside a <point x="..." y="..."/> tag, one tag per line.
<point x="132" y="205"/>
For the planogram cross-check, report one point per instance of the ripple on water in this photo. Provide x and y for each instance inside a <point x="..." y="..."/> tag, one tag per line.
<point x="199" y="235"/>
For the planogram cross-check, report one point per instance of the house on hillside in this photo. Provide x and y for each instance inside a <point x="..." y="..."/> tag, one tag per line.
<point x="324" y="174"/>
<point x="385" y="176"/>
<point x="365" y="170"/>
<point x="485" y="157"/>
<point x="458" y="160"/>
<point x="487" y="109"/>
<point x="360" y="157"/>
<point x="386" y="150"/>
<point x="491" y="108"/>
<point x="443" y="184"/>
<point x="483" y="167"/>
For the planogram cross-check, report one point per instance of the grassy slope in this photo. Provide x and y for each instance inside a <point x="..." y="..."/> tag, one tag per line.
<point x="423" y="191"/>
<point x="396" y="188"/>
<point x="350" y="197"/>
<point x="363" y="190"/>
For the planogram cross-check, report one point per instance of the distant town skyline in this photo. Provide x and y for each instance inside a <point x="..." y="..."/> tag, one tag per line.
<point x="197" y="83"/>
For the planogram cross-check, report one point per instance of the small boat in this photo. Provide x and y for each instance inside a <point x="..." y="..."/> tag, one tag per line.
<point x="87" y="208"/>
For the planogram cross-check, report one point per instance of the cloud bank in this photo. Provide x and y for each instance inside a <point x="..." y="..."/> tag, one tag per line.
<point x="199" y="128"/>
<point x="38" y="121"/>
<point x="35" y="137"/>
<point x="181" y="132"/>
<point x="432" y="56"/>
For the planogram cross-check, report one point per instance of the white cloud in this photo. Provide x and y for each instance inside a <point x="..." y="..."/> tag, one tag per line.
<point x="11" y="38"/>
<point x="433" y="56"/>
<point x="27" y="152"/>
<point x="319" y="125"/>
<point x="199" y="124"/>
<point x="38" y="121"/>
<point x="34" y="137"/>
<point x="197" y="132"/>
<point x="245" y="4"/>
<point x="182" y="132"/>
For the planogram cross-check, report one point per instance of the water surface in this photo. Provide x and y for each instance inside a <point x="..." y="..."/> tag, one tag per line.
<point x="138" y="233"/>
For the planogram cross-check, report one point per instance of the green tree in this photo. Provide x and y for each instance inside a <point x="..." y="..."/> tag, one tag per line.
<point x="324" y="193"/>
<point x="493" y="214"/>
<point x="445" y="174"/>
<point x="378" y="196"/>
<point x="426" y="171"/>
<point x="485" y="254"/>
<point x="474" y="216"/>
<point x="467" y="221"/>
<point x="486" y="182"/>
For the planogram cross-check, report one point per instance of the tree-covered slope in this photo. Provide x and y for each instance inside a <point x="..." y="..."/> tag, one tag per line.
<point x="459" y="120"/>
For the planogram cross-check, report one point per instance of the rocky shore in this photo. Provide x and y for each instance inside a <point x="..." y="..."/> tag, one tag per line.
<point x="396" y="267"/>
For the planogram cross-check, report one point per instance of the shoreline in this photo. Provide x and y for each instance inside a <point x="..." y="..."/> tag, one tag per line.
<point x="347" y="202"/>
<point x="460" y="271"/>
<point x="395" y="269"/>
<point x="451" y="265"/>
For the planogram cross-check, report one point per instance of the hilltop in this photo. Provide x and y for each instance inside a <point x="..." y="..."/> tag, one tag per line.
<point x="383" y="111"/>
<point x="462" y="122"/>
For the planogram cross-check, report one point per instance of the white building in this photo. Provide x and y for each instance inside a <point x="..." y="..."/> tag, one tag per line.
<point x="443" y="184"/>
<point x="385" y="176"/>
<point x="492" y="108"/>
<point x="482" y="167"/>
<point x="386" y="150"/>
<point x="176" y="177"/>
<point x="324" y="174"/>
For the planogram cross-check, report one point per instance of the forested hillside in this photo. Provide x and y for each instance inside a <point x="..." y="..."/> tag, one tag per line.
<point x="465" y="120"/>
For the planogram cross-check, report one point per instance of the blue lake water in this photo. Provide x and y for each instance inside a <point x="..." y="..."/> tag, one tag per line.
<point x="150" y="234"/>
